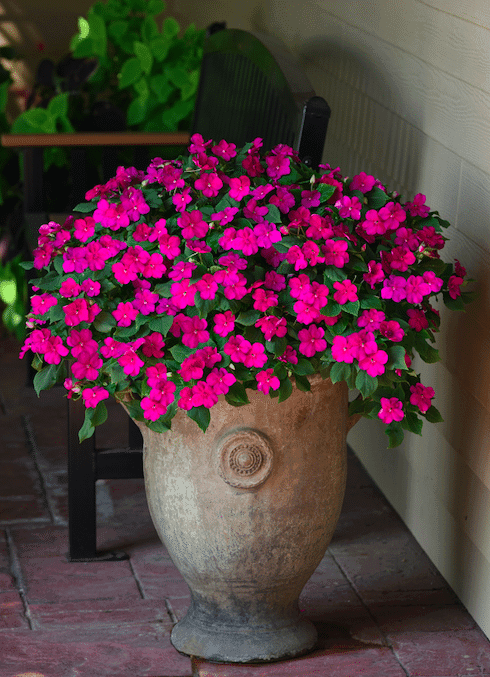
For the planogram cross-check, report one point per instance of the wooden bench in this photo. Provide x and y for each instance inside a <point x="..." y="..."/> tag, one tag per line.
<point x="250" y="87"/>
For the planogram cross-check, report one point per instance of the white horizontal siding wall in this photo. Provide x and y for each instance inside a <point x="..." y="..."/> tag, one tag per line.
<point x="409" y="87"/>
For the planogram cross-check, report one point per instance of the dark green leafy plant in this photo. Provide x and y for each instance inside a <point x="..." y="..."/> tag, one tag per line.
<point x="147" y="75"/>
<point x="13" y="297"/>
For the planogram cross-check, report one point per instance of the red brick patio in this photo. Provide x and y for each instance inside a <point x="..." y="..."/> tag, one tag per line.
<point x="381" y="607"/>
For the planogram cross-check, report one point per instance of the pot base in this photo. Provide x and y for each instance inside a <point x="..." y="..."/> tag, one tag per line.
<point x="243" y="644"/>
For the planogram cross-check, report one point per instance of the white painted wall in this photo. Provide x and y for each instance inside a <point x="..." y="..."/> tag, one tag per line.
<point x="409" y="87"/>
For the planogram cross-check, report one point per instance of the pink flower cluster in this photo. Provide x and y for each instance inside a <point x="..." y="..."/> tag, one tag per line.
<point x="195" y="272"/>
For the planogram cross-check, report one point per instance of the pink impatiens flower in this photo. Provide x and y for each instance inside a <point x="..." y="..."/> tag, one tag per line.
<point x="267" y="380"/>
<point x="224" y="323"/>
<point x="76" y="312"/>
<point x="92" y="396"/>
<point x="239" y="187"/>
<point x="421" y="396"/>
<point x="417" y="319"/>
<point x="220" y="380"/>
<point x="343" y="349"/>
<point x="42" y="303"/>
<point x="209" y="183"/>
<point x="454" y="286"/>
<point x="374" y="363"/>
<point x="391" y="410"/>
<point x="194" y="331"/>
<point x="392" y="330"/>
<point x="125" y="314"/>
<point x="363" y="182"/>
<point x="193" y="225"/>
<point x="311" y="340"/>
<point x="349" y="207"/>
<point x="346" y="292"/>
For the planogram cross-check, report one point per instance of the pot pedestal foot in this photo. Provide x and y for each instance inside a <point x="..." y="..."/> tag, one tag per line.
<point x="251" y="642"/>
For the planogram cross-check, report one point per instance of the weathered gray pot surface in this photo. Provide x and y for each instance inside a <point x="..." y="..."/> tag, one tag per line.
<point x="246" y="512"/>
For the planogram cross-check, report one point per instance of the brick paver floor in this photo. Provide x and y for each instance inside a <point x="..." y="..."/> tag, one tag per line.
<point x="380" y="606"/>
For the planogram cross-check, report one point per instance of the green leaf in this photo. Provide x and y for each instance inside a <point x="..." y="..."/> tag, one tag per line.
<point x="204" y="306"/>
<point x="430" y="222"/>
<point x="201" y="415"/>
<point x="412" y="423"/>
<point x="149" y="29"/>
<point x="159" y="48"/>
<point x="180" y="352"/>
<point x="83" y="27"/>
<point x="426" y="352"/>
<point x="377" y="198"/>
<point x="285" y="389"/>
<point x="366" y="384"/>
<point x="248" y="317"/>
<point x="352" y="307"/>
<point x="237" y="394"/>
<point x="159" y="426"/>
<point x="171" y="117"/>
<point x="395" y="434"/>
<point x="98" y="414"/>
<point x="454" y="304"/>
<point x="104" y="322"/>
<point x="34" y="121"/>
<point x="326" y="191"/>
<point x="397" y="357"/>
<point x="56" y="313"/>
<point x="144" y="56"/>
<point x="280" y="370"/>
<point x="26" y="265"/>
<point x="135" y="410"/>
<point x="130" y="72"/>
<point x="177" y="75"/>
<point x="303" y="368"/>
<point x="87" y="429"/>
<point x="278" y="346"/>
<point x="116" y="373"/>
<point x="333" y="274"/>
<point x="84" y="207"/>
<point x="433" y="415"/>
<point x="137" y="110"/>
<point x="161" y="324"/>
<point x="340" y="371"/>
<point x="117" y="30"/>
<point x="273" y="215"/>
<point x="45" y="379"/>
<point x="170" y="27"/>
<point x="58" y="265"/>
<point x="126" y="332"/>
<point x="154" y="7"/>
<point x="58" y="106"/>
<point x="332" y="309"/>
<point x="302" y="383"/>
<point x="371" y="302"/>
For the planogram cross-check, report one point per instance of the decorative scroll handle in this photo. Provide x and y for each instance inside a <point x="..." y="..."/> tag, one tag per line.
<point x="245" y="459"/>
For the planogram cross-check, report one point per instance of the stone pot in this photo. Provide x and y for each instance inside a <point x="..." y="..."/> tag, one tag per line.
<point x="246" y="512"/>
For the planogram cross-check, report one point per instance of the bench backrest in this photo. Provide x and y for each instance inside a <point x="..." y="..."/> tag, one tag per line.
<point x="251" y="86"/>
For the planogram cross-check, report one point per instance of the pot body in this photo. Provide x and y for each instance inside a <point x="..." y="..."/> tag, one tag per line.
<point x="246" y="512"/>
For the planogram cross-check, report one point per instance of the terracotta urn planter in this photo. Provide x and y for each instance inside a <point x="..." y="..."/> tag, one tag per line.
<point x="246" y="512"/>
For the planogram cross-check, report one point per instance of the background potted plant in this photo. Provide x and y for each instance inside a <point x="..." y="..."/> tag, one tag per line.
<point x="128" y="68"/>
<point x="230" y="278"/>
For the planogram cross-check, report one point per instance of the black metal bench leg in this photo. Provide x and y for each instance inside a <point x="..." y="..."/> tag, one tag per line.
<point x="82" y="515"/>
